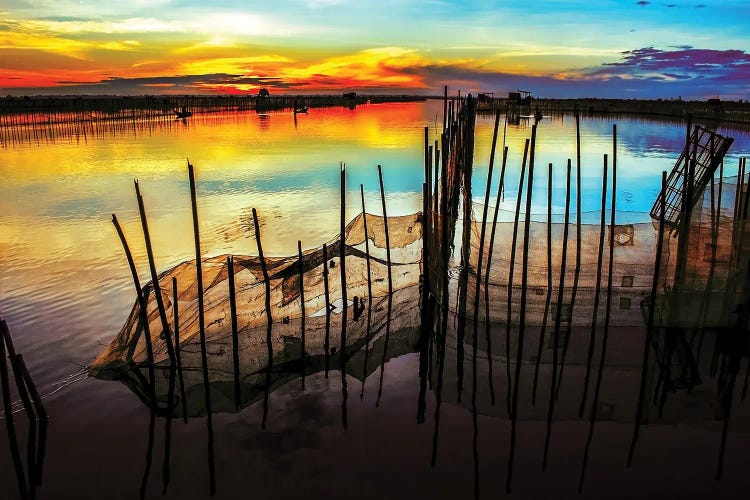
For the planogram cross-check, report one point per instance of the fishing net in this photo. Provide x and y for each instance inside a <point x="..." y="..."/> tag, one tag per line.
<point x="702" y="294"/>
<point x="366" y="322"/>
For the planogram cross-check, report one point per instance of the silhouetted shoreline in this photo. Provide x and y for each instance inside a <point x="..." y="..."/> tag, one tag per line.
<point x="735" y="112"/>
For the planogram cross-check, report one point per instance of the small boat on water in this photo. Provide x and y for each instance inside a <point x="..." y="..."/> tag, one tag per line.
<point x="301" y="109"/>
<point x="183" y="113"/>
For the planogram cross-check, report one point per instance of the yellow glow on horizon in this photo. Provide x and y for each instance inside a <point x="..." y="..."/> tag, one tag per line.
<point x="230" y="65"/>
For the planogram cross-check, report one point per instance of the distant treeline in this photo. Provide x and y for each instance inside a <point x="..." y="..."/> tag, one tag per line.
<point x="713" y="109"/>
<point x="193" y="103"/>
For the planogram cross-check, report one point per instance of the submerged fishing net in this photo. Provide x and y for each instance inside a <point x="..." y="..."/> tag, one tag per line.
<point x="695" y="310"/>
<point x="519" y="315"/>
<point x="702" y="296"/>
<point x="321" y="343"/>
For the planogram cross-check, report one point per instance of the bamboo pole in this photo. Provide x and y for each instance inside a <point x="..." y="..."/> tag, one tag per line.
<point x="326" y="341"/>
<point x="444" y="255"/>
<point x="597" y="292"/>
<point x="511" y="272"/>
<point x="36" y="473"/>
<point x="500" y="187"/>
<point x="549" y="286"/>
<point x="577" y="272"/>
<point x="154" y="275"/>
<point x="269" y="317"/>
<point x="8" y="415"/>
<point x="202" y="331"/>
<point x="344" y="302"/>
<point x="602" y="358"/>
<point x="142" y="310"/>
<point x="556" y="339"/>
<point x="302" y="306"/>
<point x="369" y="291"/>
<point x="235" y="334"/>
<point x="178" y="356"/>
<point x="650" y="321"/>
<point x="387" y="236"/>
<point x="522" y="312"/>
<point x="390" y="286"/>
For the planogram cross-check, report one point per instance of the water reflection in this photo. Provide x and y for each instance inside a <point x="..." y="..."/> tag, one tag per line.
<point x="414" y="367"/>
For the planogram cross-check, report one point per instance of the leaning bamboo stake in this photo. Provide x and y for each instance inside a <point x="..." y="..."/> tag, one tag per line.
<point x="302" y="306"/>
<point x="427" y="169"/>
<point x="511" y="272"/>
<point x="269" y="318"/>
<point x="326" y="340"/>
<point x="444" y="255"/>
<point x="577" y="272"/>
<point x="178" y="356"/>
<point x="597" y="292"/>
<point x="522" y="312"/>
<point x="650" y="322"/>
<point x="445" y="107"/>
<point x="436" y="175"/>
<point x="235" y="334"/>
<point x="344" y="302"/>
<point x="369" y="291"/>
<point x="342" y="254"/>
<point x="9" y="421"/>
<point x="142" y="305"/>
<point x="154" y="275"/>
<point x="202" y="331"/>
<point x="425" y="329"/>
<point x="556" y="333"/>
<point x="607" y="309"/>
<point x="390" y="286"/>
<point x="36" y="474"/>
<point x="387" y="236"/>
<point x="481" y="249"/>
<point x="549" y="286"/>
<point x="500" y="187"/>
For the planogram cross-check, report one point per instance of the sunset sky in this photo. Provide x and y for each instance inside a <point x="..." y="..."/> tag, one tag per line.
<point x="554" y="48"/>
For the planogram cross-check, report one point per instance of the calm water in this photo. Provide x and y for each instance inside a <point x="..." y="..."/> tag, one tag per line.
<point x="65" y="291"/>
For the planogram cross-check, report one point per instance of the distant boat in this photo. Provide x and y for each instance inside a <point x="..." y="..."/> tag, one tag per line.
<point x="183" y="113"/>
<point x="300" y="109"/>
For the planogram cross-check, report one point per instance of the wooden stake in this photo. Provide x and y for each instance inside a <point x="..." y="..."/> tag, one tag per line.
<point x="178" y="356"/>
<point x="650" y="322"/>
<point x="602" y="358"/>
<point x="269" y="317"/>
<point x="511" y="272"/>
<point x="522" y="315"/>
<point x="369" y="290"/>
<point x="387" y="236"/>
<point x="326" y="341"/>
<point x="142" y="311"/>
<point x="556" y="339"/>
<point x="597" y="293"/>
<point x="8" y="415"/>
<point x="154" y="276"/>
<point x="202" y="331"/>
<point x="549" y="285"/>
<point x="344" y="302"/>
<point x="302" y="306"/>
<point x="235" y="334"/>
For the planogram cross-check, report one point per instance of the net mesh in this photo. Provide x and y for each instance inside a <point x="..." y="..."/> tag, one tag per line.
<point x="703" y="298"/>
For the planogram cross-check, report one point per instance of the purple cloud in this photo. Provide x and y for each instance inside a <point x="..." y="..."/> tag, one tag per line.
<point x="686" y="63"/>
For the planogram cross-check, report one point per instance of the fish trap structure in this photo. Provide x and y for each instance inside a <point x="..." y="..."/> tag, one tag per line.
<point x="703" y="153"/>
<point x="595" y="315"/>
<point x="237" y="323"/>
